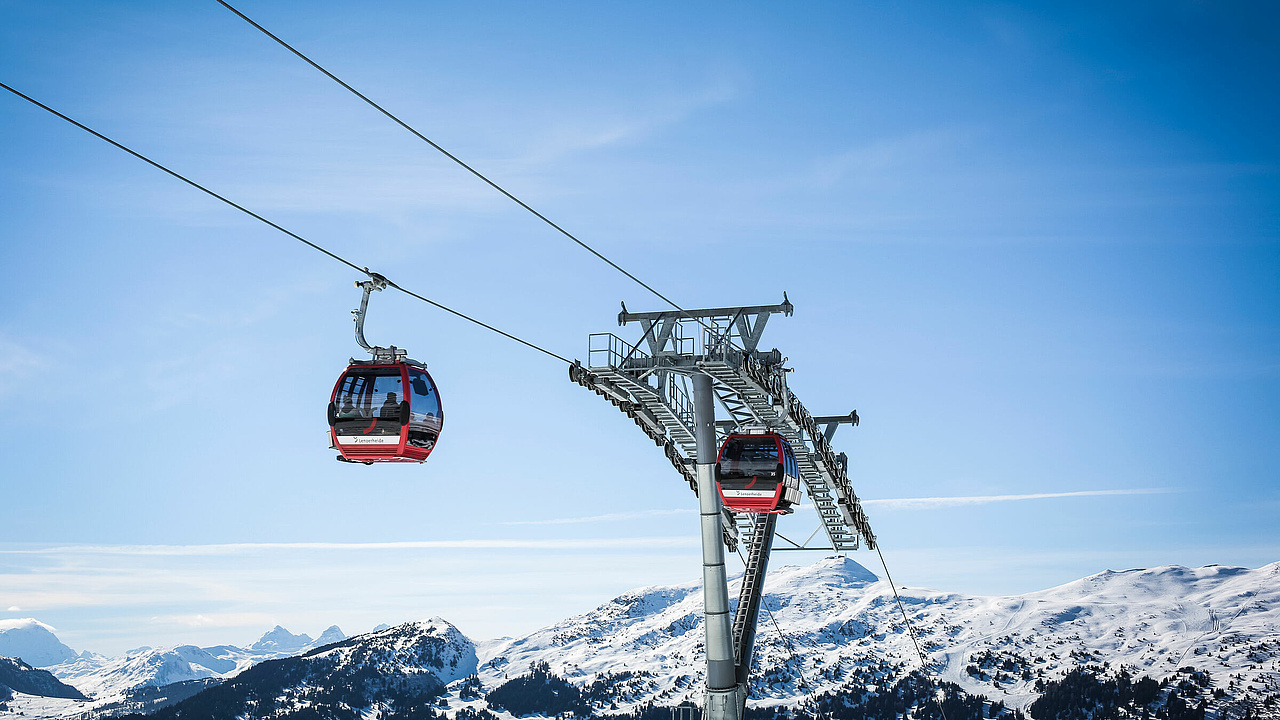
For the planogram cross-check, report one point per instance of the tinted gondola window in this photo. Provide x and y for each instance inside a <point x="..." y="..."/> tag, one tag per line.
<point x="368" y="403"/>
<point x="425" y="402"/>
<point x="425" y="416"/>
<point x="747" y="457"/>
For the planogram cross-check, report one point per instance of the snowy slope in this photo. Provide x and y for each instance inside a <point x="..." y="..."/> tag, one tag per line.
<point x="1223" y="620"/>
<point x="836" y="615"/>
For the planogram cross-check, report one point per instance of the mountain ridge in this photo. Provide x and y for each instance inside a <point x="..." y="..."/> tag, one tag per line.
<point x="103" y="677"/>
<point x="836" y="615"/>
<point x="842" y="635"/>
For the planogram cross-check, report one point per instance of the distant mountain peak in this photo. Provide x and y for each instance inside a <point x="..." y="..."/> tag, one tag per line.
<point x="331" y="634"/>
<point x="279" y="639"/>
<point x="24" y="623"/>
<point x="33" y="642"/>
<point x="836" y="566"/>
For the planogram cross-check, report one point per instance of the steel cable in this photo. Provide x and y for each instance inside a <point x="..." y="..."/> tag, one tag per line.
<point x="804" y="684"/>
<point x="924" y="664"/>
<point x="461" y="163"/>
<point x="282" y="229"/>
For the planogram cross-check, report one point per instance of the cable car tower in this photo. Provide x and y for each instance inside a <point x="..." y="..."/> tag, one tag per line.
<point x="694" y="360"/>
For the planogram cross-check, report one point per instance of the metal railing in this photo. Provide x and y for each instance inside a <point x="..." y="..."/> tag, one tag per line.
<point x="677" y="398"/>
<point x="717" y="340"/>
<point x="682" y="343"/>
<point x="609" y="350"/>
<point x="713" y="342"/>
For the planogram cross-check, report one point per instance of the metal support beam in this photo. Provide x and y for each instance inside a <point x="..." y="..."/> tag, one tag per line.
<point x="722" y="681"/>
<point x="785" y="307"/>
<point x="658" y="339"/>
<point x="831" y="422"/>
<point x="751" y="594"/>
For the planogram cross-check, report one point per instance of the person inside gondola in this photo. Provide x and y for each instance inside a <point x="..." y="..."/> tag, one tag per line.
<point x="390" y="408"/>
<point x="348" y="409"/>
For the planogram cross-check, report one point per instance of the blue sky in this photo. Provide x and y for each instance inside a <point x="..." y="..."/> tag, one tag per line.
<point x="1037" y="247"/>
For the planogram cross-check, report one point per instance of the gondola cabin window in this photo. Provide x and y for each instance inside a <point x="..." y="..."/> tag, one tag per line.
<point x="368" y="407"/>
<point x="425" y="416"/>
<point x="747" y="457"/>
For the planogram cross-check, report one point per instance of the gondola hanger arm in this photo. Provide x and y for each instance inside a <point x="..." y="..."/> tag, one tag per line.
<point x="379" y="283"/>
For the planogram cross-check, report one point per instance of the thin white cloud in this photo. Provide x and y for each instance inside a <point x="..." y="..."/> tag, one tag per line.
<point x="24" y="623"/>
<point x="214" y="620"/>
<point x="16" y="362"/>
<point x="236" y="548"/>
<point x="923" y="503"/>
<point x="601" y="518"/>
<point x="873" y="161"/>
<point x="588" y="129"/>
<point x="930" y="503"/>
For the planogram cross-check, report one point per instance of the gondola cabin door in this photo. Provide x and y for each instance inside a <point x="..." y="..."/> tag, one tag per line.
<point x="385" y="412"/>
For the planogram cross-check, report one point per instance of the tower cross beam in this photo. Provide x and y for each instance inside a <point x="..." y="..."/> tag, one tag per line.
<point x="785" y="307"/>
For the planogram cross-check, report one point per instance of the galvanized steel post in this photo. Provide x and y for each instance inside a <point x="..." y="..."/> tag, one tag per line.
<point x="723" y="701"/>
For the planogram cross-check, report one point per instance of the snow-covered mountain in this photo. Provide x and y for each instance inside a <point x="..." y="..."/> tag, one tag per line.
<point x="406" y="666"/>
<point x="332" y="634"/>
<point x="279" y="640"/>
<point x="432" y="647"/>
<point x="836" y="616"/>
<point x="150" y="677"/>
<point x="144" y="675"/>
<point x="832" y="628"/>
<point x="33" y="642"/>
<point x="101" y="677"/>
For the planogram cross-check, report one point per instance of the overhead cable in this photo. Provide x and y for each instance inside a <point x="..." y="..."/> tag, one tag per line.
<point x="804" y="685"/>
<point x="458" y="160"/>
<point x="924" y="664"/>
<point x="282" y="229"/>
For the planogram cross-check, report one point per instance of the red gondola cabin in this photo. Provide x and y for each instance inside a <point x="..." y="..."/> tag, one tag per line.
<point x="385" y="412"/>
<point x="758" y="474"/>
